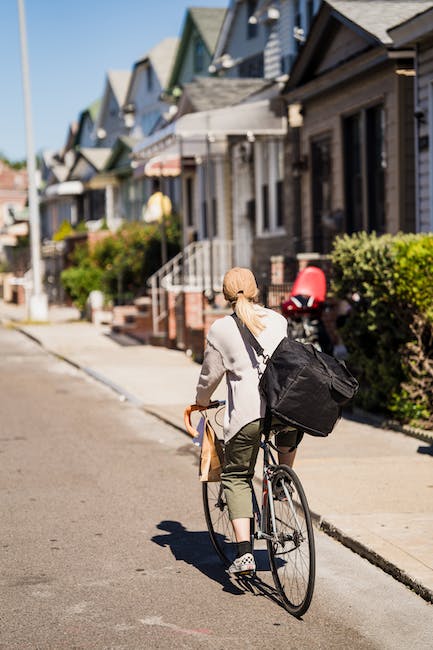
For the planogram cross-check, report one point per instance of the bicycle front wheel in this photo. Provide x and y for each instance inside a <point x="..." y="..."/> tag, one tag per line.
<point x="291" y="547"/>
<point x="218" y="523"/>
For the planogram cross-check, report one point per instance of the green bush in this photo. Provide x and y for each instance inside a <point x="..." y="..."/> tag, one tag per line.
<point x="388" y="281"/>
<point x="79" y="281"/>
<point x="121" y="263"/>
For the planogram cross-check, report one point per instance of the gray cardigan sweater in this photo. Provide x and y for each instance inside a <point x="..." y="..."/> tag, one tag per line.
<point x="228" y="354"/>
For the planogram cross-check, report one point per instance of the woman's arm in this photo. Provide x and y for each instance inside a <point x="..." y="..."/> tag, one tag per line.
<point x="212" y="372"/>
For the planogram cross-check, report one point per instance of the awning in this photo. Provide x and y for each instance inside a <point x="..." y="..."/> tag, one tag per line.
<point x="68" y="188"/>
<point x="163" y="165"/>
<point x="191" y="131"/>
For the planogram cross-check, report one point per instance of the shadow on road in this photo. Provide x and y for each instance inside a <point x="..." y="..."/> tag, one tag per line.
<point x="194" y="548"/>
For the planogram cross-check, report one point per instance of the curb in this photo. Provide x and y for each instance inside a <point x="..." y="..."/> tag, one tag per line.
<point x="359" y="415"/>
<point x="319" y="522"/>
<point x="376" y="559"/>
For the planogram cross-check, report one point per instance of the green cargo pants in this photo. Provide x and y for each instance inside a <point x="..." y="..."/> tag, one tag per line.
<point x="239" y="462"/>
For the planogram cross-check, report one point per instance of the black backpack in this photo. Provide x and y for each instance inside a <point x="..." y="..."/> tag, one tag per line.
<point x="302" y="386"/>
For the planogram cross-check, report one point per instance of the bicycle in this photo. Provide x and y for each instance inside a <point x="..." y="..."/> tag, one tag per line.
<point x="283" y="521"/>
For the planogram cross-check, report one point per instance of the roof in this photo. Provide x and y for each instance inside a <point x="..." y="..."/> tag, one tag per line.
<point x="414" y="29"/>
<point x="161" y="58"/>
<point x="97" y="157"/>
<point x="119" y="82"/>
<point x="119" y="154"/>
<point x="208" y="21"/>
<point x="378" y="16"/>
<point x="207" y="93"/>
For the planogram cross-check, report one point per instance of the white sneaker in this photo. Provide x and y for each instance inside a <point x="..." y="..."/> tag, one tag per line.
<point x="244" y="565"/>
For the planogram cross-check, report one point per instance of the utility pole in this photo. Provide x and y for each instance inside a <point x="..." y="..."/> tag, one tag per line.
<point x="38" y="304"/>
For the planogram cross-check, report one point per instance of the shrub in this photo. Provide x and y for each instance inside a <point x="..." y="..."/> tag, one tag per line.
<point x="388" y="281"/>
<point x="121" y="263"/>
<point x="79" y="281"/>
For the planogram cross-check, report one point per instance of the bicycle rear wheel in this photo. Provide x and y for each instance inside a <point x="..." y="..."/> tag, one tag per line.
<point x="291" y="550"/>
<point x="218" y="523"/>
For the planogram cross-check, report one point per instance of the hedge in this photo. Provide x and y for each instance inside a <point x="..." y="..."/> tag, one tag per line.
<point x="388" y="283"/>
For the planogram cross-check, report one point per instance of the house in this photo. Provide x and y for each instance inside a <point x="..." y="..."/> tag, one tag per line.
<point x="198" y="39"/>
<point x="13" y="193"/>
<point x="261" y="38"/>
<point x="88" y="164"/>
<point x="144" y="110"/>
<point x="416" y="33"/>
<point x="61" y="198"/>
<point x="109" y="124"/>
<point x="351" y="145"/>
<point x="203" y="142"/>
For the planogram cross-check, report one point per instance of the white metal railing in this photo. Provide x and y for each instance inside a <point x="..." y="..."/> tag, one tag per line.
<point x="190" y="270"/>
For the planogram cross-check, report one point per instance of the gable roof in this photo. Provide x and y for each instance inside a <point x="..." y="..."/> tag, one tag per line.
<point x="376" y="17"/>
<point x="119" y="160"/>
<point x="97" y="157"/>
<point x="207" y="93"/>
<point x="225" y="29"/>
<point x="414" y="29"/>
<point x="370" y="20"/>
<point x="207" y="21"/>
<point x="119" y="82"/>
<point x="91" y="112"/>
<point x="161" y="58"/>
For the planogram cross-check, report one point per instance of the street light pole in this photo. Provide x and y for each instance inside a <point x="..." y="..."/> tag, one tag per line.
<point x="38" y="304"/>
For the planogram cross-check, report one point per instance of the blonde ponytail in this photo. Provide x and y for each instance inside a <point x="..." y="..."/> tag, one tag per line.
<point x="251" y="318"/>
<point x="240" y="288"/>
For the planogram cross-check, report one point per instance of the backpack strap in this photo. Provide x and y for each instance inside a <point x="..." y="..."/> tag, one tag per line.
<point x="245" y="332"/>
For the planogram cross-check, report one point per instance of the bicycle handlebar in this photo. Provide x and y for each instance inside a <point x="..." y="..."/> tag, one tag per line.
<point x="197" y="407"/>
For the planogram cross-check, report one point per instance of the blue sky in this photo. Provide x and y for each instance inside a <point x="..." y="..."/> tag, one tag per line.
<point x="72" y="43"/>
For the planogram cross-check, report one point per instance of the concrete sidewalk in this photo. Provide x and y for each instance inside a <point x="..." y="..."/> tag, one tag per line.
<point x="370" y="487"/>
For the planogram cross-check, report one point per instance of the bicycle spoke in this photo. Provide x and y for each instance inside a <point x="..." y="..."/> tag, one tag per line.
<point x="218" y="523"/>
<point x="291" y="551"/>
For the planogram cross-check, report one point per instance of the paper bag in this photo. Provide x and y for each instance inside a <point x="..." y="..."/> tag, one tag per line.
<point x="212" y="455"/>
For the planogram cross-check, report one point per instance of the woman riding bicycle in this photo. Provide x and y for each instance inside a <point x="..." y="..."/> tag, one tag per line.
<point x="227" y="354"/>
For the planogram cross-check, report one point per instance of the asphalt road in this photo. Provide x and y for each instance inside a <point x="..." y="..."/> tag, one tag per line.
<point x="103" y="543"/>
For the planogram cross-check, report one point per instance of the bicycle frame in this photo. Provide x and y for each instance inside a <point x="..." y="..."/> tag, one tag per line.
<point x="269" y="464"/>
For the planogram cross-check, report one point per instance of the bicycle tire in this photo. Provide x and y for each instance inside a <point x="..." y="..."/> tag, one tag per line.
<point x="292" y="558"/>
<point x="218" y="523"/>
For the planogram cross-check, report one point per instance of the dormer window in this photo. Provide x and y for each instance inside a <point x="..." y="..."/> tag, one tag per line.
<point x="199" y="55"/>
<point x="252" y="26"/>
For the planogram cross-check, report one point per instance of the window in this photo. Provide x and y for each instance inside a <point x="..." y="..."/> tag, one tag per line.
<point x="269" y="188"/>
<point x="321" y="193"/>
<point x="189" y="196"/>
<point x="199" y="55"/>
<point x="279" y="215"/>
<point x="149" y="78"/>
<point x="252" y="28"/>
<point x="365" y="164"/>
<point x="253" y="67"/>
